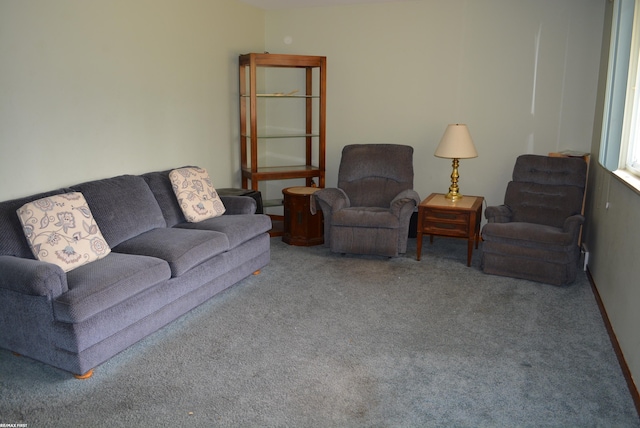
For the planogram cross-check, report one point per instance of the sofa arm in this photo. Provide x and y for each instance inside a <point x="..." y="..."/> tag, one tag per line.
<point x="498" y="214"/>
<point x="32" y="277"/>
<point x="239" y="204"/>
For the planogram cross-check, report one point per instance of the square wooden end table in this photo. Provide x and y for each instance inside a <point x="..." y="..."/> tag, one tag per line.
<point x="455" y="219"/>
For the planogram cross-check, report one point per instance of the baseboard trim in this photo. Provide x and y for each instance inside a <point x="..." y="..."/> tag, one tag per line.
<point x="633" y="389"/>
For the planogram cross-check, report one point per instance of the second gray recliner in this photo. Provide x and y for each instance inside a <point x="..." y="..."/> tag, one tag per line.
<point x="370" y="210"/>
<point x="535" y="234"/>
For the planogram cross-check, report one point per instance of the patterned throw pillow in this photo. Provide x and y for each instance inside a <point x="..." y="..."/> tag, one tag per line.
<point x="61" y="230"/>
<point x="196" y="196"/>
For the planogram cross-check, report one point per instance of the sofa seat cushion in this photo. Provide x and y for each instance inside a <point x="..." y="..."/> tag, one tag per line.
<point x="181" y="248"/>
<point x="238" y="228"/>
<point x="97" y="286"/>
<point x="365" y="217"/>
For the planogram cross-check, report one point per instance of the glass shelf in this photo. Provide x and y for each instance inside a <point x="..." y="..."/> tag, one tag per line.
<point x="282" y="172"/>
<point x="284" y="136"/>
<point x="272" y="203"/>
<point x="281" y="96"/>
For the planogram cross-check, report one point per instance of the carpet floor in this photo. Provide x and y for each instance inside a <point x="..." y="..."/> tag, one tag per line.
<point x="328" y="340"/>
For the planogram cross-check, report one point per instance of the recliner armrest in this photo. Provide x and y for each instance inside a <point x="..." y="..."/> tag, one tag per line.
<point x="32" y="277"/>
<point x="572" y="224"/>
<point x="333" y="198"/>
<point x="498" y="214"/>
<point x="406" y="196"/>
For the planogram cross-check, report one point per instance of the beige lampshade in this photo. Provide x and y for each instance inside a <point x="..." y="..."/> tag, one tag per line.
<point x="456" y="143"/>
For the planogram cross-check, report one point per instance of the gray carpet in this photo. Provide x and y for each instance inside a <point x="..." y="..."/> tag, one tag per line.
<point x="324" y="340"/>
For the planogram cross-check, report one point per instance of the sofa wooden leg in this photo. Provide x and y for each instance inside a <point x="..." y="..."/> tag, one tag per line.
<point x="257" y="272"/>
<point x="16" y="354"/>
<point x="87" y="375"/>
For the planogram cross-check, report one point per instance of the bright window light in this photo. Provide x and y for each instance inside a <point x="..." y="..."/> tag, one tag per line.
<point x="630" y="141"/>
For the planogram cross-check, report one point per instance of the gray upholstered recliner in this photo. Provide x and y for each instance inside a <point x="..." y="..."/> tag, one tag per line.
<point x="370" y="211"/>
<point x="535" y="234"/>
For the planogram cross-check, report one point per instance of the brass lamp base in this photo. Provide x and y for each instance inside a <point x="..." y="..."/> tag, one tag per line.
<point x="453" y="189"/>
<point x="454" y="196"/>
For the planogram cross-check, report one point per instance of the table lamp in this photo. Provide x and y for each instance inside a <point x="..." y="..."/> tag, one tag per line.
<point x="456" y="144"/>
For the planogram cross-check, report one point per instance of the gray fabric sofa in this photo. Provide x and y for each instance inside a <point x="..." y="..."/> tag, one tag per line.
<point x="159" y="268"/>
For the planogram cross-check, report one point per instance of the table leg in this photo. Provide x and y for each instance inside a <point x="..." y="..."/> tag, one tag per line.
<point x="469" y="251"/>
<point x="419" y="235"/>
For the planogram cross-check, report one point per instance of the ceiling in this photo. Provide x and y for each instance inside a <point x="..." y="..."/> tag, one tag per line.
<point x="282" y="4"/>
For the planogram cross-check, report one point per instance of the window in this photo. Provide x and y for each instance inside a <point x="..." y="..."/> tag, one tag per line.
<point x="630" y="145"/>
<point x="620" y="149"/>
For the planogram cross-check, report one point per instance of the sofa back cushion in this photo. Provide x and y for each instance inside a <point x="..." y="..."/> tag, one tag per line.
<point x="12" y="239"/>
<point x="122" y="206"/>
<point x="160" y="185"/>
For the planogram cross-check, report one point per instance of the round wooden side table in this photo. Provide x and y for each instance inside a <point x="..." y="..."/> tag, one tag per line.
<point x="301" y="227"/>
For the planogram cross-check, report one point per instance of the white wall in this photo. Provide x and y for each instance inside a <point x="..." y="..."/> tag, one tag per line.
<point x="612" y="239"/>
<point x="612" y="236"/>
<point x="91" y="89"/>
<point x="522" y="74"/>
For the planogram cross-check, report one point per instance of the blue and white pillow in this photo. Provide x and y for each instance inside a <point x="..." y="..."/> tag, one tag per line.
<point x="61" y="230"/>
<point x="196" y="195"/>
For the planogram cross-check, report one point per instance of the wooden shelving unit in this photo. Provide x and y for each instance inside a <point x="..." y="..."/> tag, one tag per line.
<point x="310" y="135"/>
